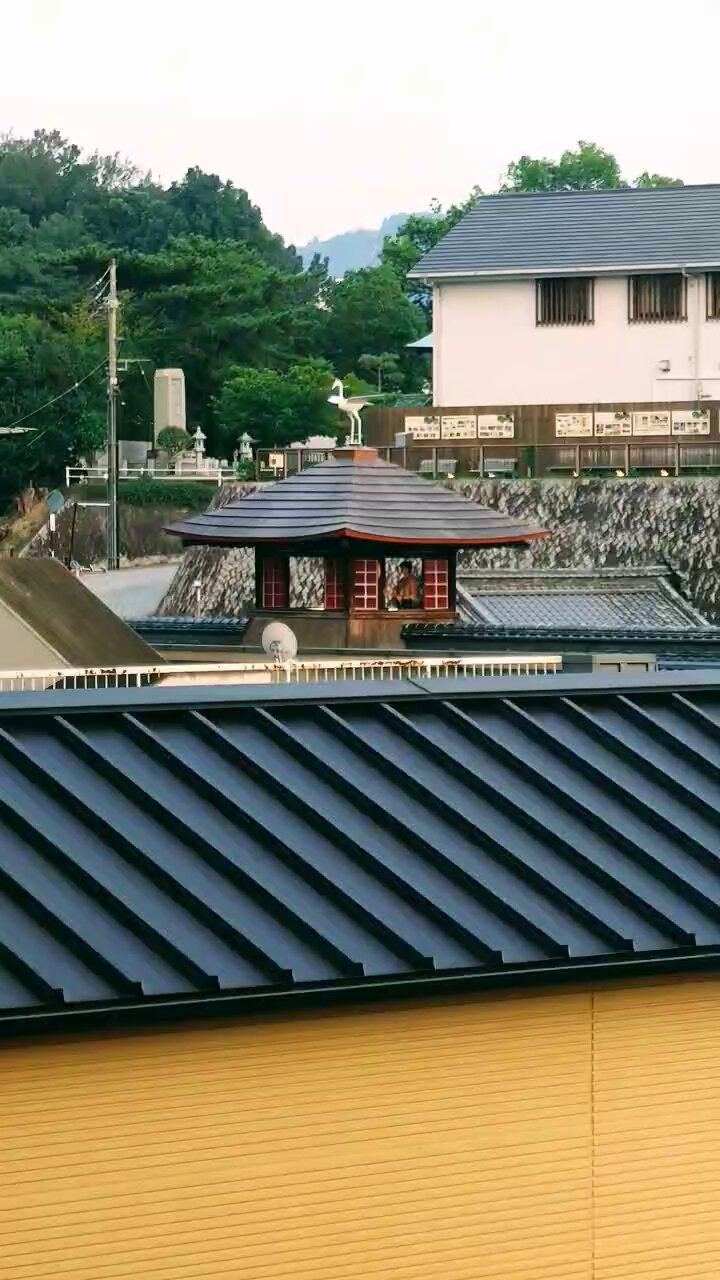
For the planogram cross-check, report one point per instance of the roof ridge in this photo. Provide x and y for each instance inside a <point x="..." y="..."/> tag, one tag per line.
<point x="596" y="191"/>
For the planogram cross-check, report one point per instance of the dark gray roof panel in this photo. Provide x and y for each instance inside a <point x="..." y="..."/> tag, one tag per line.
<point x="181" y="845"/>
<point x="585" y="231"/>
<point x="369" y="499"/>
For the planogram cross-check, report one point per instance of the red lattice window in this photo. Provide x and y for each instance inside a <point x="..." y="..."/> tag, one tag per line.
<point x="334" y="584"/>
<point x="436" y="584"/>
<point x="366" y="584"/>
<point x="275" y="583"/>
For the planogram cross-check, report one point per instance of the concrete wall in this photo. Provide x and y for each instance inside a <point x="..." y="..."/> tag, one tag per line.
<point x="489" y="350"/>
<point x="21" y="647"/>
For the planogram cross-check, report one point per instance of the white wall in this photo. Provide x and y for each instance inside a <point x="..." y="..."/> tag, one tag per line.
<point x="488" y="350"/>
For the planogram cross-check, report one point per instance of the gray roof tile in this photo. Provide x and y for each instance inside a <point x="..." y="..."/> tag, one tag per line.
<point x="584" y="231"/>
<point x="592" y="599"/>
<point x="363" y="498"/>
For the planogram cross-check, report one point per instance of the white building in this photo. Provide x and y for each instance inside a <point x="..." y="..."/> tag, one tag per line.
<point x="578" y="297"/>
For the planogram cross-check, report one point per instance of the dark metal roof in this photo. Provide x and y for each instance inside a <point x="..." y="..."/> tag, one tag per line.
<point x="185" y="846"/>
<point x="209" y="631"/>
<point x="627" y="229"/>
<point x="353" y="495"/>
<point x="575" y="600"/>
<point x="669" y="637"/>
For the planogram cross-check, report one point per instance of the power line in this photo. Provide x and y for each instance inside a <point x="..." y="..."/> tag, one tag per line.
<point x="54" y="400"/>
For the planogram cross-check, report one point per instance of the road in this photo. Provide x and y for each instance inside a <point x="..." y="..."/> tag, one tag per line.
<point x="132" y="593"/>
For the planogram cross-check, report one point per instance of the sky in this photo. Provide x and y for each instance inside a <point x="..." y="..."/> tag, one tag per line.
<point x="333" y="114"/>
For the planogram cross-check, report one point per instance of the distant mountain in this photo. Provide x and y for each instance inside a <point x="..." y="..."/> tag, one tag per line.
<point x="352" y="249"/>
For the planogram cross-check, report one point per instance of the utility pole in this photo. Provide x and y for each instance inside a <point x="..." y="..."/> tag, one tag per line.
<point x="113" y="539"/>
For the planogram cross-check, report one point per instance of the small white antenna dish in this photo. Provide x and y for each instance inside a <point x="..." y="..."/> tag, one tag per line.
<point x="279" y="642"/>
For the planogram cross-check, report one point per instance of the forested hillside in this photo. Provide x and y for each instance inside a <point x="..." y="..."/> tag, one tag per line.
<point x="205" y="285"/>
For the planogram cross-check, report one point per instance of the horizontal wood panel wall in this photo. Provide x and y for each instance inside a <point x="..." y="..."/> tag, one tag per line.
<point x="535" y="423"/>
<point x="459" y="1140"/>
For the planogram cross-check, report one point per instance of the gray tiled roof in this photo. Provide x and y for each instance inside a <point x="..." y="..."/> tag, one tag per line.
<point x="584" y="231"/>
<point x="190" y="847"/>
<point x="353" y="496"/>
<point x="576" y="599"/>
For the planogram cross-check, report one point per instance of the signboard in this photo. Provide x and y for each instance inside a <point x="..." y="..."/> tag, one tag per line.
<point x="276" y="462"/>
<point x="691" y="422"/>
<point x="55" y="502"/>
<point x="651" y="423"/>
<point x="573" y="424"/>
<point x="463" y="426"/>
<point x="612" y="423"/>
<point x="495" y="426"/>
<point x="427" y="428"/>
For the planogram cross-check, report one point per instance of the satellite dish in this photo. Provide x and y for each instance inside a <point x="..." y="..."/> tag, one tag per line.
<point x="279" y="642"/>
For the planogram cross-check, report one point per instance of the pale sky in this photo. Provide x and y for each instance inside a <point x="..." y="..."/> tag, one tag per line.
<point x="333" y="114"/>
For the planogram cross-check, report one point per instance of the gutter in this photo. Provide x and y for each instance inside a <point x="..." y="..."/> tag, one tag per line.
<point x="579" y="269"/>
<point x="699" y="962"/>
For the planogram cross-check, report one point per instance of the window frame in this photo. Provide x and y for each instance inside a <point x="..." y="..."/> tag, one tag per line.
<point x="355" y="585"/>
<point x="275" y="582"/>
<point x="335" y="590"/>
<point x="436" y="584"/>
<point x="656" y="319"/>
<point x="712" y="287"/>
<point x="540" y="309"/>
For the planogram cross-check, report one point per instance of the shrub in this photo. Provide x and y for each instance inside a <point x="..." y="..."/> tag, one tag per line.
<point x="174" y="440"/>
<point x="168" y="493"/>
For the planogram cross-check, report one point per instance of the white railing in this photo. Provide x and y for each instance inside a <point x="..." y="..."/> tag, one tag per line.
<point x="301" y="672"/>
<point x="75" y="475"/>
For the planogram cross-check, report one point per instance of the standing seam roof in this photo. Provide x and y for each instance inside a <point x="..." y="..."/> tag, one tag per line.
<point x="163" y="846"/>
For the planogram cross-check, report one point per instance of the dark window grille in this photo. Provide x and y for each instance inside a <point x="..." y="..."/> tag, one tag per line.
<point x="565" y="301"/>
<point x="334" y="584"/>
<point x="275" y="583"/>
<point x="657" y="298"/>
<point x="712" y="295"/>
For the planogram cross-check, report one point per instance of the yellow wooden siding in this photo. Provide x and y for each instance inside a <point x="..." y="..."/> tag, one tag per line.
<point x="448" y="1141"/>
<point x="657" y="1133"/>
<point x="570" y="1136"/>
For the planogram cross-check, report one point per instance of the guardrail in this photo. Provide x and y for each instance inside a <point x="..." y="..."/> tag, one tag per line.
<point x="310" y="672"/>
<point x="218" y="475"/>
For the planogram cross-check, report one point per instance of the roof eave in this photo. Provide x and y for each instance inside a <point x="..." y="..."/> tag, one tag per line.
<point x="430" y="276"/>
<point x="355" y="535"/>
<point x="203" y="1005"/>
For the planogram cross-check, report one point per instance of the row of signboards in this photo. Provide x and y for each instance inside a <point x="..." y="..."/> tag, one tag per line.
<point x="568" y="426"/>
<point x="462" y="426"/>
<point x="655" y="422"/>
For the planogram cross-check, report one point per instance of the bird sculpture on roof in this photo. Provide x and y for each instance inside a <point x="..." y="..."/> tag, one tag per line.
<point x="351" y="405"/>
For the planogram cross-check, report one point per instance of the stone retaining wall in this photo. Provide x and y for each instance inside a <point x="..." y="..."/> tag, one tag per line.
<point x="592" y="523"/>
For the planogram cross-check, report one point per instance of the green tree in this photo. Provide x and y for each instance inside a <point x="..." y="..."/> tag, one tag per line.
<point x="589" y="168"/>
<point x="416" y="237"/>
<point x="275" y="408"/>
<point x="657" y="180"/>
<point x="173" y="440"/>
<point x="384" y="367"/>
<point x="368" y="310"/>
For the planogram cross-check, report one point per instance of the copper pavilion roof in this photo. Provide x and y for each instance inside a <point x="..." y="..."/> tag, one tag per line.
<point x="356" y="495"/>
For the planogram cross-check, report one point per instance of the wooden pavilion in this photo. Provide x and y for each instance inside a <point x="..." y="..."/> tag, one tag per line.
<point x="357" y="517"/>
